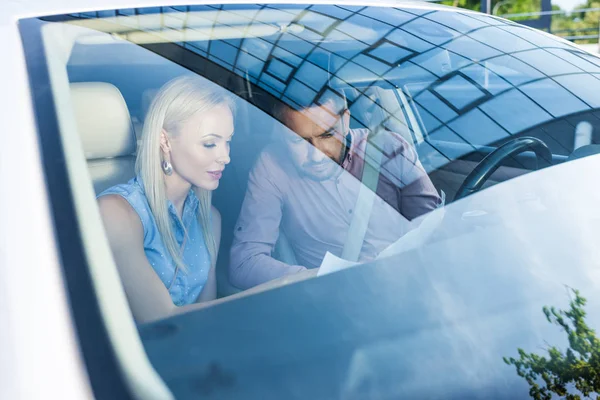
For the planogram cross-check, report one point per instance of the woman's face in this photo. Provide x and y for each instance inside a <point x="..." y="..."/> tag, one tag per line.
<point x="200" y="151"/>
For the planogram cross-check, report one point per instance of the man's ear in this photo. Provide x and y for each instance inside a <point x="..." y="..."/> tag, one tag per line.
<point x="165" y="145"/>
<point x="346" y="118"/>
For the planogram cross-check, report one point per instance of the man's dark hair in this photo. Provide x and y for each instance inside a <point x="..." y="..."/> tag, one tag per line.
<point x="328" y="95"/>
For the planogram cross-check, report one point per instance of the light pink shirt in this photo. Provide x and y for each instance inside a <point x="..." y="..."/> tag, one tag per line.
<point x="316" y="215"/>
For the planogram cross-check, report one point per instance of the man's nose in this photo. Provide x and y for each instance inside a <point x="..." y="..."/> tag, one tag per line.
<point x="315" y="155"/>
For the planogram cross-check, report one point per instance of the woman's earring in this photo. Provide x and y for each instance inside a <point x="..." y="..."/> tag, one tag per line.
<point x="167" y="167"/>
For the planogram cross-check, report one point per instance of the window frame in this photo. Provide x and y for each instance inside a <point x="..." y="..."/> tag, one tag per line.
<point x="97" y="351"/>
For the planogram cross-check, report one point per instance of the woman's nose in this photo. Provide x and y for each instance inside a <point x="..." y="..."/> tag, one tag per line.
<point x="224" y="157"/>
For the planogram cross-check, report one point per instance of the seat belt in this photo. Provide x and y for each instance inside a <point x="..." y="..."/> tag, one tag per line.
<point x="364" y="202"/>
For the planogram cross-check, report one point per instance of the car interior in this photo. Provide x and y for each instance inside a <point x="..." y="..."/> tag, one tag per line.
<point x="102" y="91"/>
<point x="109" y="110"/>
<point x="112" y="86"/>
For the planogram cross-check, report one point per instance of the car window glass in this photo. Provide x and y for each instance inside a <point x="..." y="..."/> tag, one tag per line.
<point x="431" y="76"/>
<point x="328" y="97"/>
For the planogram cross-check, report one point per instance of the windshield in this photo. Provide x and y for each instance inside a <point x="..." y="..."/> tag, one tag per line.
<point x="233" y="149"/>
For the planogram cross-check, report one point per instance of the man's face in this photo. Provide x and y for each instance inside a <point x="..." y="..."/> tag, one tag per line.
<point x="317" y="147"/>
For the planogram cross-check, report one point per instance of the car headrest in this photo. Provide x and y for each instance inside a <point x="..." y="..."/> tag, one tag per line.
<point x="103" y="120"/>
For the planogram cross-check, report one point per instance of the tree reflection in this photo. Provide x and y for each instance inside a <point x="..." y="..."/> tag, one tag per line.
<point x="558" y="373"/>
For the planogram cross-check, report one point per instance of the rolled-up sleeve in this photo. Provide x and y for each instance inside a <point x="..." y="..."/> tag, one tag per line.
<point x="257" y="231"/>
<point x="417" y="194"/>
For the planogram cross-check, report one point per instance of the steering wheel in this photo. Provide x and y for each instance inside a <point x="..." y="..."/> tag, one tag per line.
<point x="480" y="174"/>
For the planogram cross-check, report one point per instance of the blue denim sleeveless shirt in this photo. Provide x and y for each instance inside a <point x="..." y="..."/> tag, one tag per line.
<point x="186" y="286"/>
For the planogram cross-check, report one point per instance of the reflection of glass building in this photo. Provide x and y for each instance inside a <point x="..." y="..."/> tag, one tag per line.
<point x="467" y="79"/>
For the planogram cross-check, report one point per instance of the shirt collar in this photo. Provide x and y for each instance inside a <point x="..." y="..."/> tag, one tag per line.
<point x="189" y="206"/>
<point x="349" y="150"/>
<point x="192" y="201"/>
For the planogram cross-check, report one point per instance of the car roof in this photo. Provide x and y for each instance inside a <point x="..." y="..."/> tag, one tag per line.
<point x="18" y="9"/>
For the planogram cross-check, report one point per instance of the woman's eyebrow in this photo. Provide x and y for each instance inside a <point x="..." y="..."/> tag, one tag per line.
<point x="213" y="134"/>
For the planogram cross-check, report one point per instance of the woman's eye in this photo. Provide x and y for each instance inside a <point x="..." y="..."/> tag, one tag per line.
<point x="210" y="145"/>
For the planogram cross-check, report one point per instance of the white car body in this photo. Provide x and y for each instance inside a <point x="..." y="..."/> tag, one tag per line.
<point x="40" y="355"/>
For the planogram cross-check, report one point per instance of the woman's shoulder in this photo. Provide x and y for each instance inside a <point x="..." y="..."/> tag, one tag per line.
<point x="129" y="189"/>
<point x="126" y="200"/>
<point x="116" y="210"/>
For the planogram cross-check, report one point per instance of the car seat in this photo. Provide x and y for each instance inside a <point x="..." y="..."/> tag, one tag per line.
<point x="106" y="133"/>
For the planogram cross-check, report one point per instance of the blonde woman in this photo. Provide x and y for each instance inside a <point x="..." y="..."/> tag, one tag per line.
<point x="161" y="226"/>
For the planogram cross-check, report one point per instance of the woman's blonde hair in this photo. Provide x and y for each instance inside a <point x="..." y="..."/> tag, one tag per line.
<point x="175" y="102"/>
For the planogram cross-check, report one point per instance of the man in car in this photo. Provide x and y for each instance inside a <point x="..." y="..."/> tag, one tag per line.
<point x="306" y="184"/>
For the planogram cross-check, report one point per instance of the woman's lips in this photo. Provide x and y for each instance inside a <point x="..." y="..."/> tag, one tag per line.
<point x="216" y="175"/>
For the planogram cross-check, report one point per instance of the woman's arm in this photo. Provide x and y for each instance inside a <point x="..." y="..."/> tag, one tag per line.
<point x="148" y="297"/>
<point x="209" y="292"/>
